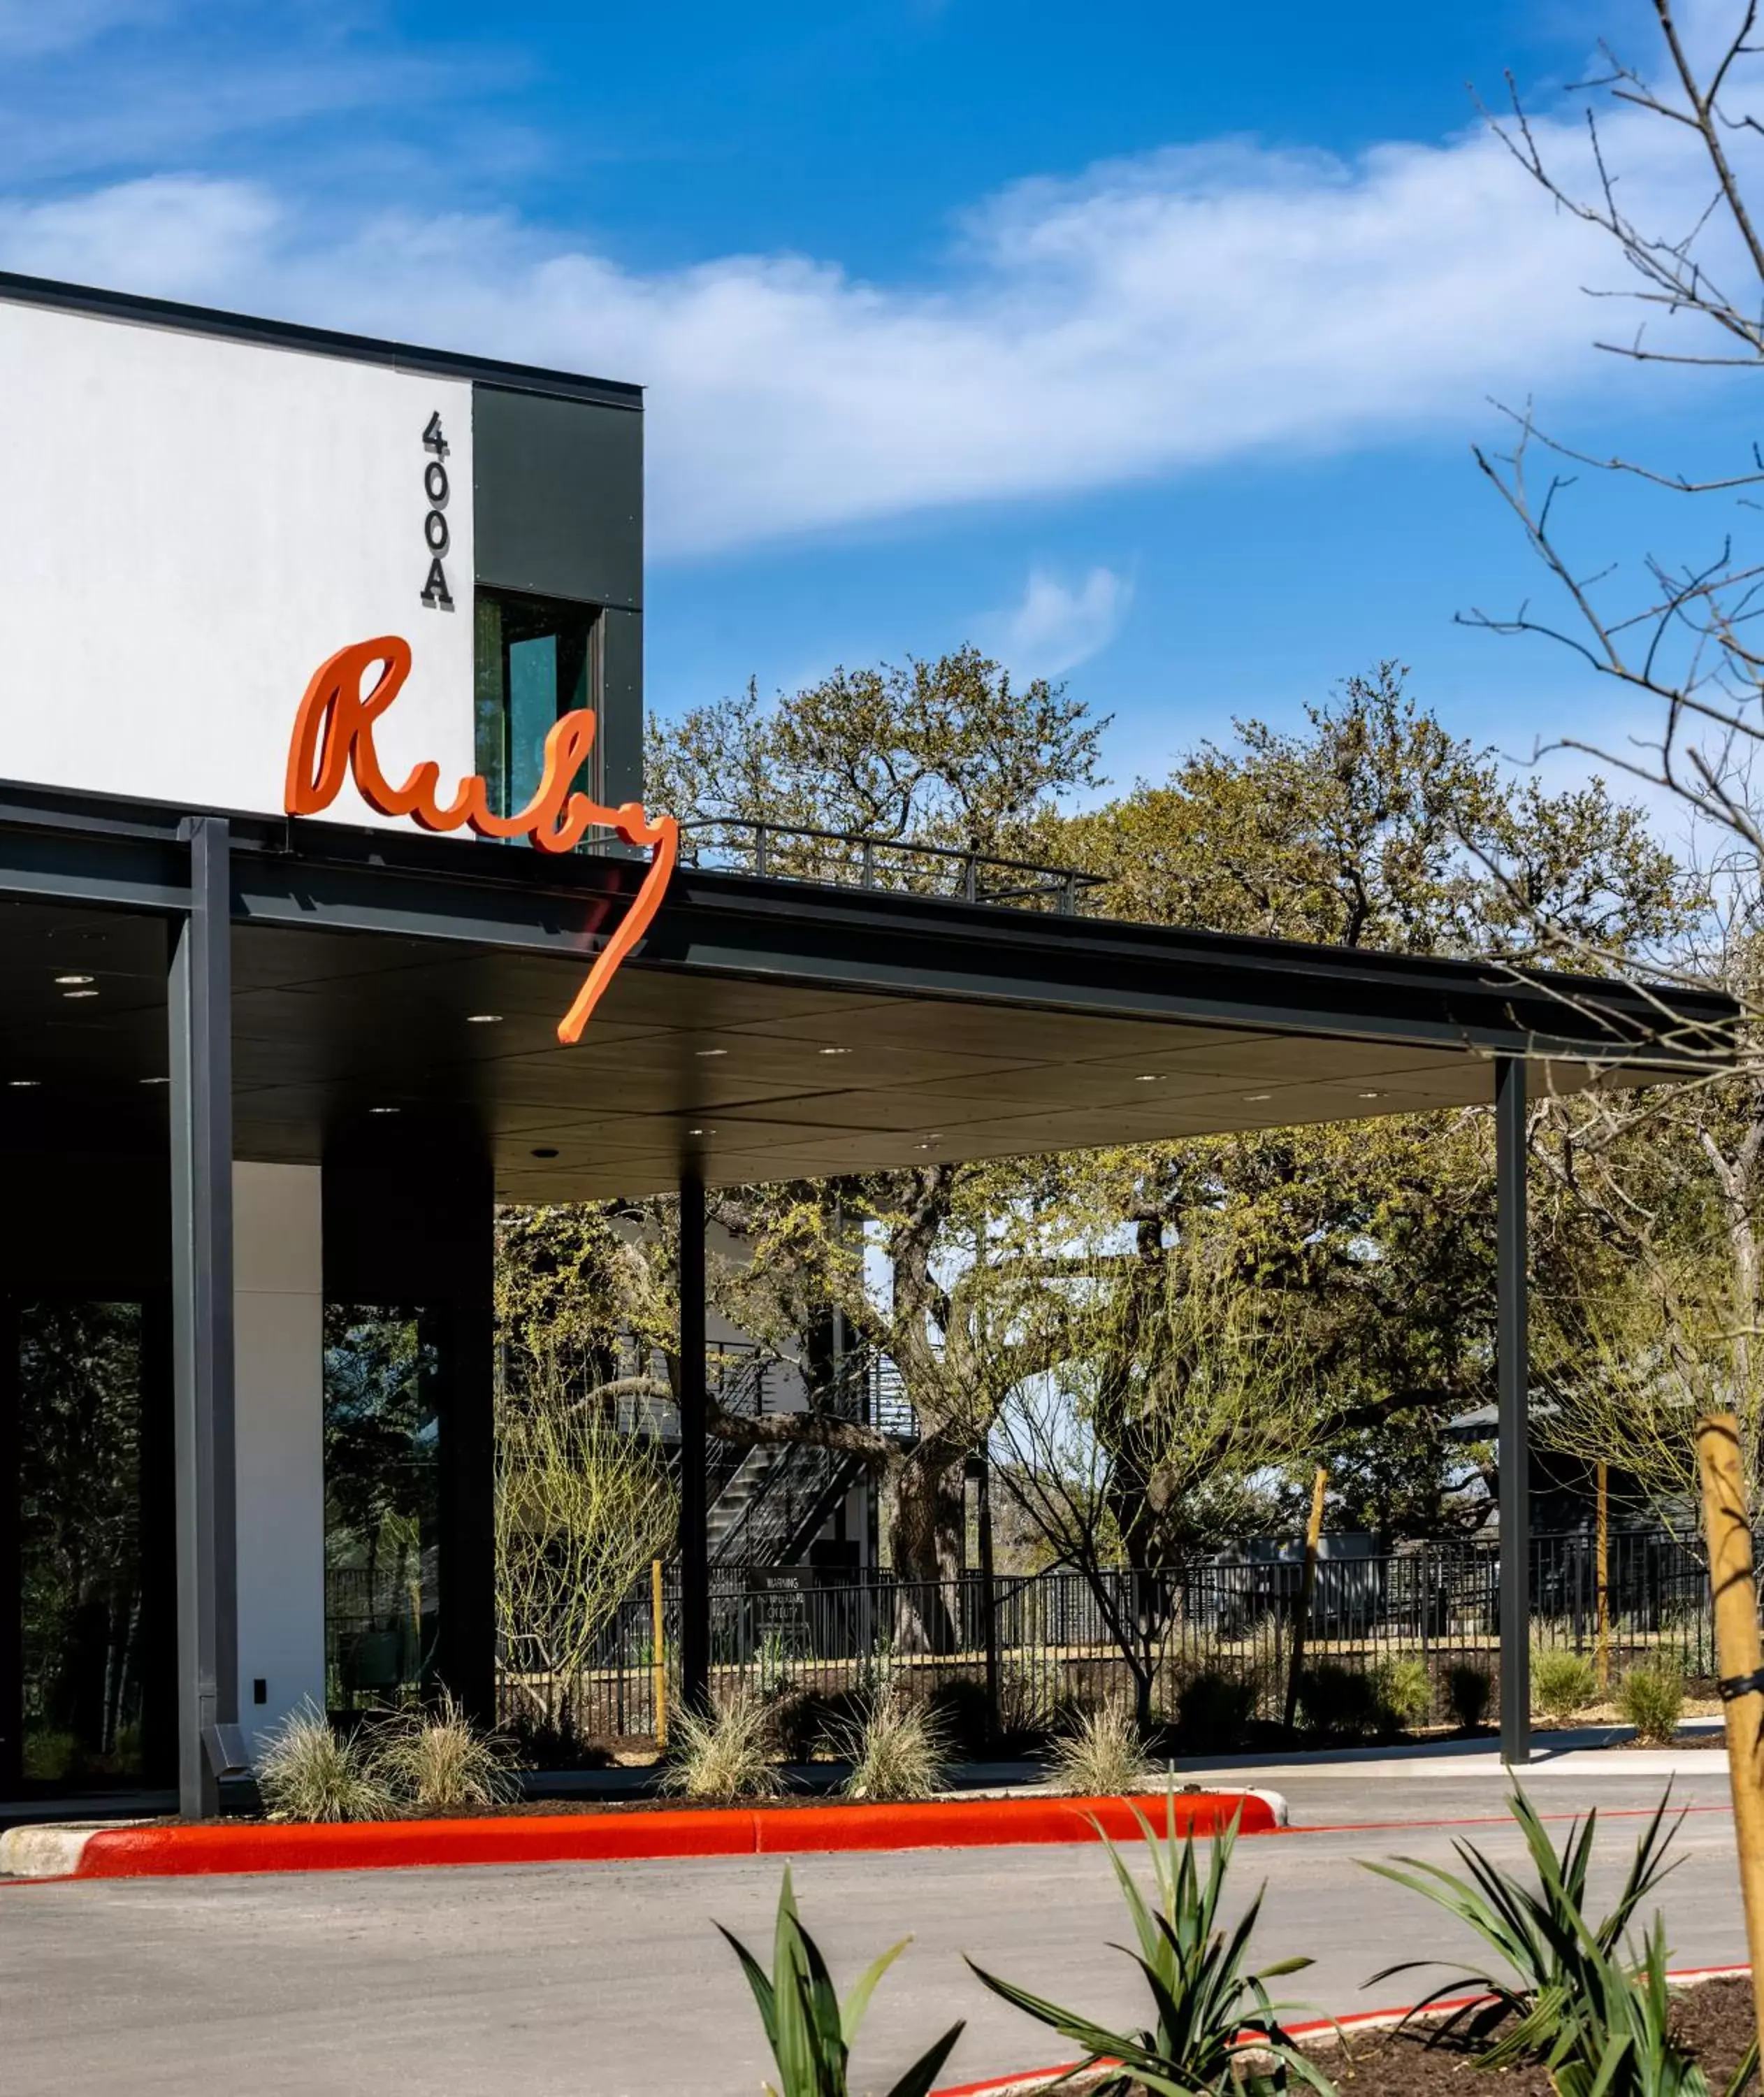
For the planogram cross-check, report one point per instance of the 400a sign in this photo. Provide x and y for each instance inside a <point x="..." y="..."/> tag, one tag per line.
<point x="436" y="534"/>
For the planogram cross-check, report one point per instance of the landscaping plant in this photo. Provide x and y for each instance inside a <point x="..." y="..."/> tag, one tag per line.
<point x="1102" y="1757"/>
<point x="899" y="1752"/>
<point x="1339" y="1702"/>
<point x="724" y="1756"/>
<point x="439" y="1761"/>
<point x="809" y="2030"/>
<point x="1404" y="1689"/>
<point x="1550" y="1952"/>
<point x="1562" y="1682"/>
<point x="1651" y="1698"/>
<point x="1616" y="2036"/>
<point x="1215" y="2028"/>
<point x="1468" y="1692"/>
<point x="306" y="1772"/>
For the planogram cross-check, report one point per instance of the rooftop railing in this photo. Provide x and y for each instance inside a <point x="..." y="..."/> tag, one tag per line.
<point x="798" y="851"/>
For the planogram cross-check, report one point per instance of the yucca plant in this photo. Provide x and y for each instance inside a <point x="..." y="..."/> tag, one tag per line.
<point x="1616" y="2036"/>
<point x="1216" y="2028"/>
<point x="1551" y="1952"/>
<point x="809" y="2032"/>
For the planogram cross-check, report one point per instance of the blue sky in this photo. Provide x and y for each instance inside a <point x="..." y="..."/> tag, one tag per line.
<point x="1144" y="344"/>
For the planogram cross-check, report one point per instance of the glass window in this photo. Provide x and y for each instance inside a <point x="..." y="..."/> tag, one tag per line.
<point x="535" y="661"/>
<point x="85" y="1603"/>
<point x="383" y="1434"/>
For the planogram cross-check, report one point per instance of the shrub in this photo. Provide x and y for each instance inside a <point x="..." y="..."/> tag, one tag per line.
<point x="897" y="1753"/>
<point x="306" y="1772"/>
<point x="1103" y="1758"/>
<point x="1468" y="1690"/>
<point x="1404" y="1691"/>
<point x="1209" y="2012"/>
<point x="439" y="1761"/>
<point x="962" y="1714"/>
<point x="1651" y="1698"/>
<point x="809" y="2031"/>
<point x="723" y="1757"/>
<point x="1213" y="1708"/>
<point x="1562" y="1682"/>
<point x="1549" y="1955"/>
<point x="1338" y="1701"/>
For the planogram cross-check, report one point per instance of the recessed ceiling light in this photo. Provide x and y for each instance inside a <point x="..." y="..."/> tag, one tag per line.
<point x="72" y="979"/>
<point x="835" y="1051"/>
<point x="1256" y="1099"/>
<point x="1370" y="1095"/>
<point x="79" y="993"/>
<point x="383" y="1109"/>
<point x="23" y="1084"/>
<point x="701" y="1132"/>
<point x="710" y="1051"/>
<point x="156" y="1081"/>
<point x="545" y="1150"/>
<point x="483" y="1019"/>
<point x="1147" y="1077"/>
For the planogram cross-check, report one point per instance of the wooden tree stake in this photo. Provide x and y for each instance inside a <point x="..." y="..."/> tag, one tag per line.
<point x="1727" y="1530"/>
<point x="1602" y="1576"/>
<point x="1307" y="1589"/>
<point x="660" y="1644"/>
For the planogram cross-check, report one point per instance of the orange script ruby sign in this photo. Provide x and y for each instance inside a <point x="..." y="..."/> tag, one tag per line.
<point x="334" y="736"/>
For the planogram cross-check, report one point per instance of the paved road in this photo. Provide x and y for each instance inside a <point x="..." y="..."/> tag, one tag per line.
<point x="607" y="1980"/>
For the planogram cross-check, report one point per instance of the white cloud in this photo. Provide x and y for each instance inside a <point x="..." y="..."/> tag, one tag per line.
<point x="1057" y="626"/>
<point x="1155" y="315"/>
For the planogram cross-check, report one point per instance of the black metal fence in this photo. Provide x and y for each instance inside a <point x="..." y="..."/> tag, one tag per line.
<point x="1047" y="1644"/>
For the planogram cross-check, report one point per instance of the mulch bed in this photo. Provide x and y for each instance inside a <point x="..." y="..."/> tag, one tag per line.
<point x="1714" y="2020"/>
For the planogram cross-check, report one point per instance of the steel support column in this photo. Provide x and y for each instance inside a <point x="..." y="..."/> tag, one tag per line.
<point x="695" y="1498"/>
<point x="1512" y="1349"/>
<point x="200" y="1008"/>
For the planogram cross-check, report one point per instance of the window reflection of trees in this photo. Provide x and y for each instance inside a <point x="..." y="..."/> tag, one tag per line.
<point x="382" y="1501"/>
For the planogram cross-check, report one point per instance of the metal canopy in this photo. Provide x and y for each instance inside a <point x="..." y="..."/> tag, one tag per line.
<point x="769" y="1029"/>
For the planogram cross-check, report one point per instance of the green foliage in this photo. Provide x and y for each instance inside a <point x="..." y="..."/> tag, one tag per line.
<point x="1562" y="1682"/>
<point x="1214" y="2022"/>
<point x="809" y="2032"/>
<point x="1214" y="1708"/>
<point x="1404" y="1689"/>
<point x="1549" y="1953"/>
<point x="721" y="1757"/>
<point x="1341" y="1703"/>
<point x="1469" y="1690"/>
<point x="1651" y="1698"/>
<point x="439" y="1761"/>
<point x="1615" y="2038"/>
<point x="900" y="1753"/>
<point x="1103" y="1756"/>
<point x="305" y="1771"/>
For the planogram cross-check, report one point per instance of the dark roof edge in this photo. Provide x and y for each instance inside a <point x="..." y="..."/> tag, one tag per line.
<point x="317" y="342"/>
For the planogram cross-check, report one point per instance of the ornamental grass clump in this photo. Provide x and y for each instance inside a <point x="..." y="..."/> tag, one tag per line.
<point x="724" y="1757"/>
<point x="1216" y="2028"/>
<point x="438" y="1761"/>
<point x="306" y="1772"/>
<point x="1102" y="1758"/>
<point x="1404" y="1690"/>
<point x="808" y="2030"/>
<point x="1468" y="1690"/>
<point x="1562" y="1683"/>
<point x="898" y="1754"/>
<point x="1651" y="1698"/>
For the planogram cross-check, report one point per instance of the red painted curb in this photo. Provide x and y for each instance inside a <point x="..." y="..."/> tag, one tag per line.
<point x="130" y="1853"/>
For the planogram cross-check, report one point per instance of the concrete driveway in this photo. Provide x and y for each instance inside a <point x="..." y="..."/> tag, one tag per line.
<point x="608" y="1980"/>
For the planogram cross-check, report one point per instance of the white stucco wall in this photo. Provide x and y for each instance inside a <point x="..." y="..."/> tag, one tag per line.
<point x="278" y="1352"/>
<point x="189" y="527"/>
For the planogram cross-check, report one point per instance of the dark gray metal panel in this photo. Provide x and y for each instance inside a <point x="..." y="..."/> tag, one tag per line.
<point x="201" y="1104"/>
<point x="558" y="505"/>
<point x="694" y="1500"/>
<point x="1513" y="1347"/>
<point x="621" y="706"/>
